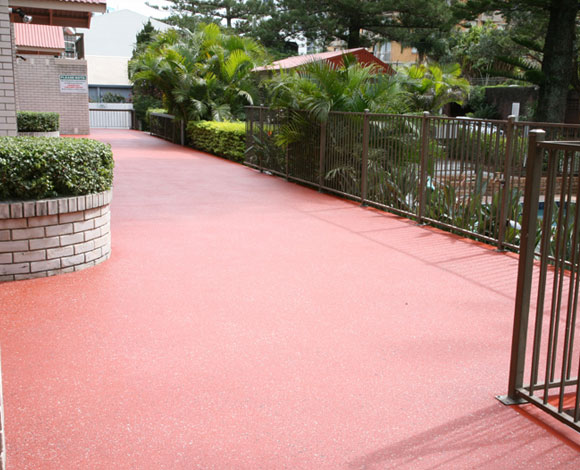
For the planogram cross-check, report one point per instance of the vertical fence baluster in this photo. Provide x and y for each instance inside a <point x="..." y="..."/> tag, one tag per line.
<point x="544" y="261"/>
<point x="525" y="267"/>
<point x="575" y="265"/>
<point x="322" y="155"/>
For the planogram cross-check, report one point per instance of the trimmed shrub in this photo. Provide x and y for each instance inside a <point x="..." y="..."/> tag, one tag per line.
<point x="224" y="139"/>
<point x="32" y="121"/>
<point x="38" y="168"/>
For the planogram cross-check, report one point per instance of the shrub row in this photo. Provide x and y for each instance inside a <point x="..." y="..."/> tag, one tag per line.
<point x="38" y="168"/>
<point x="31" y="121"/>
<point x="225" y="139"/>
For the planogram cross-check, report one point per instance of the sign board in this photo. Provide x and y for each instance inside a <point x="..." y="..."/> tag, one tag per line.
<point x="74" y="84"/>
<point x="516" y="110"/>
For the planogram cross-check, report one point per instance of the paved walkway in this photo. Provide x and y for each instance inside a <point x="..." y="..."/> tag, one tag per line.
<point x="247" y="323"/>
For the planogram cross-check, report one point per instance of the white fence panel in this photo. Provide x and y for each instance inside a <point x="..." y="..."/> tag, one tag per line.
<point x="110" y="119"/>
<point x="110" y="115"/>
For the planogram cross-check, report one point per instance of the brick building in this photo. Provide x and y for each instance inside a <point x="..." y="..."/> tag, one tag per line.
<point x="43" y="83"/>
<point x="41" y="73"/>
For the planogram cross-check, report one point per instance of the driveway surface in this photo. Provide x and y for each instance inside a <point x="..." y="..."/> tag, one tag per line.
<point x="244" y="322"/>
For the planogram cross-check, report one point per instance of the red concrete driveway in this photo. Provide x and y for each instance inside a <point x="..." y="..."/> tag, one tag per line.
<point x="243" y="322"/>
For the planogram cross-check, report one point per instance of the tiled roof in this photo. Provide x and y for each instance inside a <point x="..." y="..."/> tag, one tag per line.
<point x="297" y="61"/>
<point x="38" y="37"/>
<point x="335" y="57"/>
<point x="98" y="2"/>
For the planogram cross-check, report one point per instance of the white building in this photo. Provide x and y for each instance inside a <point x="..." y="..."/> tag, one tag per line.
<point x="108" y="48"/>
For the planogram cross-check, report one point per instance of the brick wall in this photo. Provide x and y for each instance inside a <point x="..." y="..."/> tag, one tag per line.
<point x="7" y="95"/>
<point x="53" y="236"/>
<point x="38" y="89"/>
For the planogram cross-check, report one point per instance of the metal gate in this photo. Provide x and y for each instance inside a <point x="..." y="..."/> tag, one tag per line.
<point x="111" y="116"/>
<point x="545" y="365"/>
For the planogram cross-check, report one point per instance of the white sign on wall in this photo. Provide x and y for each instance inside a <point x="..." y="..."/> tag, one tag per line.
<point x="74" y="84"/>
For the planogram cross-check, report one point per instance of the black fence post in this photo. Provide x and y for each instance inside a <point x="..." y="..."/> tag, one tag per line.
<point x="423" y="166"/>
<point x="322" y="155"/>
<point x="261" y="138"/>
<point x="525" y="267"/>
<point x="365" y="159"/>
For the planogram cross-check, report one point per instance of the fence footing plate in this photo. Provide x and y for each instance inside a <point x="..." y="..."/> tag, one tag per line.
<point x="509" y="401"/>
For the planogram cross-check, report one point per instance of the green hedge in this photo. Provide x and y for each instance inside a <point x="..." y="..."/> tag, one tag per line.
<point x="31" y="121"/>
<point x="38" y="168"/>
<point x="225" y="139"/>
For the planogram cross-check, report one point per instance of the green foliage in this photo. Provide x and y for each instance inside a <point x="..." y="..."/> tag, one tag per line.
<point x="225" y="139"/>
<point x="479" y="107"/>
<point x="145" y="96"/>
<point x="549" y="33"/>
<point x="113" y="98"/>
<point x="144" y="37"/>
<point x="318" y="88"/>
<point x="477" y="48"/>
<point x="191" y="12"/>
<point x="37" y="168"/>
<point x="201" y="75"/>
<point x="31" y="121"/>
<point x="141" y="104"/>
<point x="358" y="23"/>
<point x="433" y="86"/>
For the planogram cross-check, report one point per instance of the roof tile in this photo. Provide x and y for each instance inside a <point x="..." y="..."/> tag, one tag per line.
<point x="38" y="36"/>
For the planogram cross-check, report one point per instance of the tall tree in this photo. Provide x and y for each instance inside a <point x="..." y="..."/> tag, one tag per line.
<point x="222" y="12"/>
<point x="145" y="96"/>
<point x="356" y="22"/>
<point x="204" y="74"/>
<point x="559" y="46"/>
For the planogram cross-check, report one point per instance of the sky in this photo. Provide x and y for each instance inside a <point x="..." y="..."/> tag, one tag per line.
<point x="139" y="6"/>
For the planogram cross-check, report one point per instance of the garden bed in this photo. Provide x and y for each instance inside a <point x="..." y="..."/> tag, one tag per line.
<point x="54" y="205"/>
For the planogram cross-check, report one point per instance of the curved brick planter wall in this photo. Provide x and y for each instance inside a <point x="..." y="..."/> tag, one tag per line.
<point x="53" y="236"/>
<point x="39" y="134"/>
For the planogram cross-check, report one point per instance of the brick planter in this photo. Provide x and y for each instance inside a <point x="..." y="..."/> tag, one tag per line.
<point x="53" y="236"/>
<point x="39" y="134"/>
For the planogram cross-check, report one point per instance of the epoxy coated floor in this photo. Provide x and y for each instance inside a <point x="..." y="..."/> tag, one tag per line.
<point x="243" y="322"/>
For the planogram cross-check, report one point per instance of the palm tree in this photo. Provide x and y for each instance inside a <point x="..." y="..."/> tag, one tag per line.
<point x="320" y="87"/>
<point x="433" y="86"/>
<point x="204" y="74"/>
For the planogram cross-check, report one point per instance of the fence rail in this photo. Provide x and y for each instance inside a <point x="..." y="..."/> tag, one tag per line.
<point x="167" y="127"/>
<point x="546" y="374"/>
<point x="464" y="175"/>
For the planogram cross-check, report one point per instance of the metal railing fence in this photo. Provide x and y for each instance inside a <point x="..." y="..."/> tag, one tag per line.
<point x="546" y="373"/>
<point x="463" y="175"/>
<point x="167" y="127"/>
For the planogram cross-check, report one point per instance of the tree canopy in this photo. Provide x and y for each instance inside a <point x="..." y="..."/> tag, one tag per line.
<point x="556" y="20"/>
